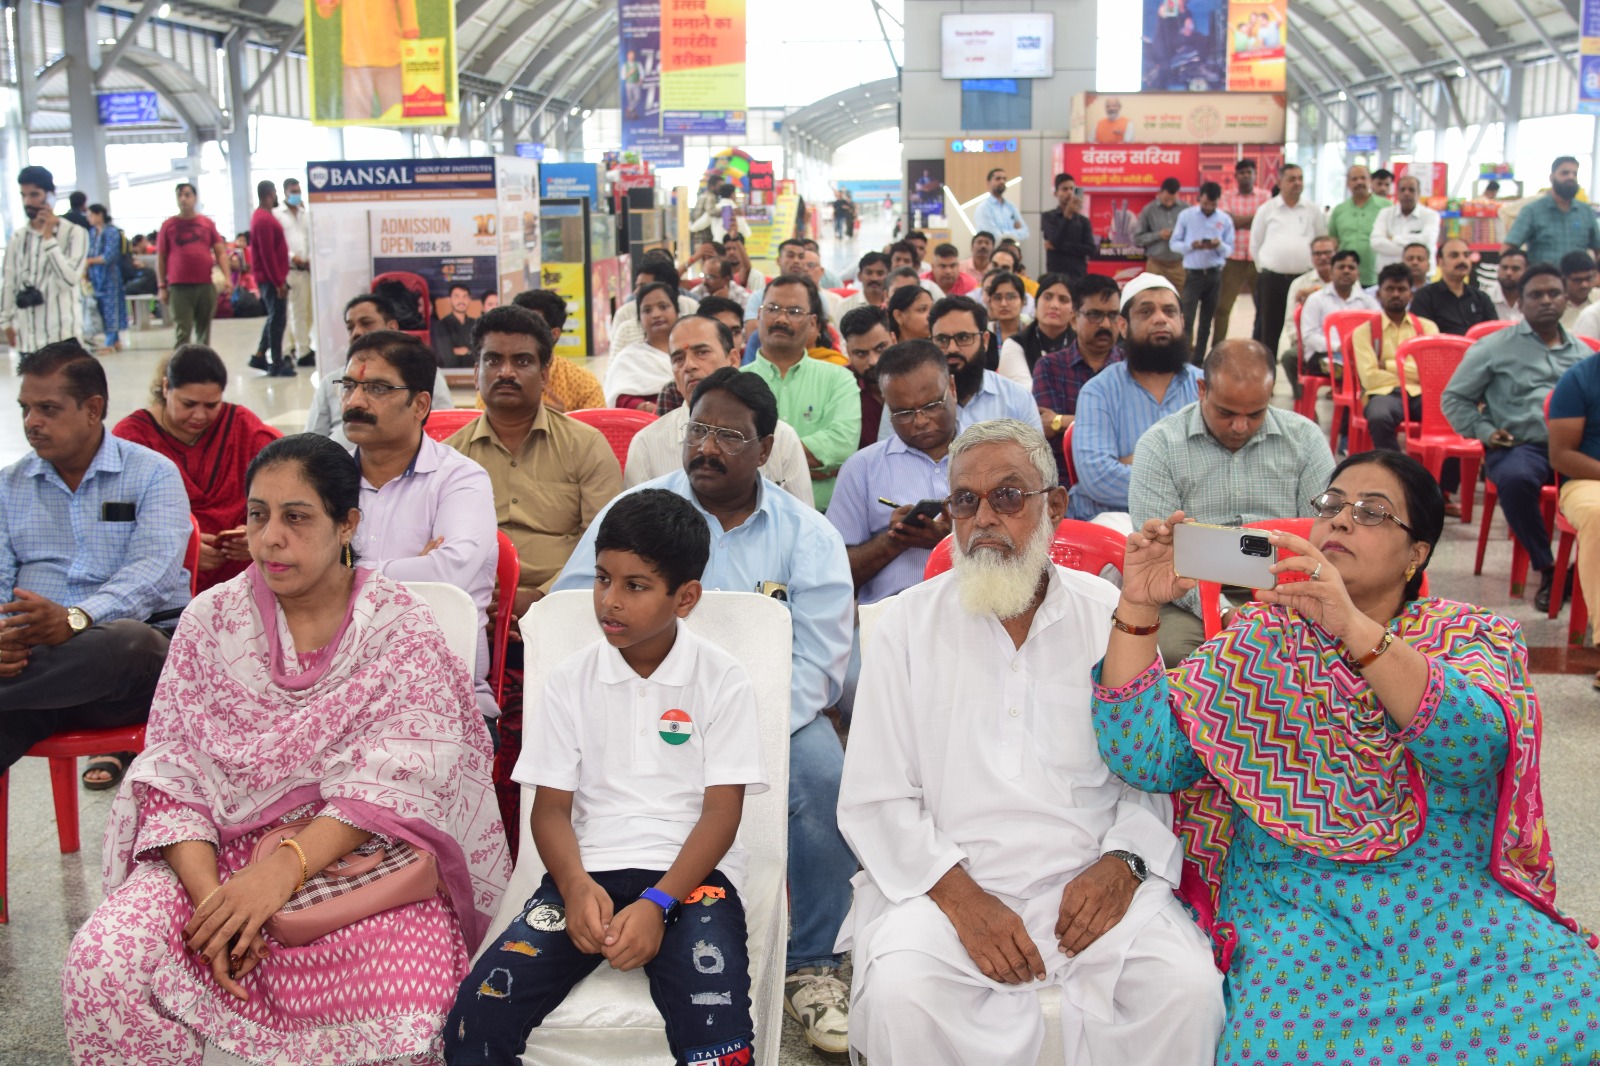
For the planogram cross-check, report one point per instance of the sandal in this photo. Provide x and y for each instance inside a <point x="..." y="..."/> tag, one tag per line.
<point x="115" y="764"/>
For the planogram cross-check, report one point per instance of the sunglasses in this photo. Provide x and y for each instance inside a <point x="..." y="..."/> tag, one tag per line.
<point x="1363" y="512"/>
<point x="1003" y="501"/>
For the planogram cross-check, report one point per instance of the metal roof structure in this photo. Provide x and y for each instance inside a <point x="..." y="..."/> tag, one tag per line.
<point x="837" y="120"/>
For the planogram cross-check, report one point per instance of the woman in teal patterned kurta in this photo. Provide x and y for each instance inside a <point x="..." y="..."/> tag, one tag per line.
<point x="1363" y="834"/>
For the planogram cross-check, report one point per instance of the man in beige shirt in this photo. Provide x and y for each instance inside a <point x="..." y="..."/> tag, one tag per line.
<point x="551" y="474"/>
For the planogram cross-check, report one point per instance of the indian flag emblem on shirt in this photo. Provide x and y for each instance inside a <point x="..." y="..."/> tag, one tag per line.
<point x="675" y="727"/>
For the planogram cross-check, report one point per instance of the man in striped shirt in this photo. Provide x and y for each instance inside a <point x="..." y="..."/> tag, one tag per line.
<point x="39" y="298"/>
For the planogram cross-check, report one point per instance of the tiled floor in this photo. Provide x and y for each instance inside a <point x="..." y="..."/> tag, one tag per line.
<point x="51" y="894"/>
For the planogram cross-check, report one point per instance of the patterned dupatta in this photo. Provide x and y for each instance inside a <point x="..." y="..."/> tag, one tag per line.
<point x="382" y="732"/>
<point x="1290" y="734"/>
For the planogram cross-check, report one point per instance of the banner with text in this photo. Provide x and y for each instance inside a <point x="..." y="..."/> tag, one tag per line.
<point x="1142" y="167"/>
<point x="1214" y="45"/>
<point x="386" y="64"/>
<point x="639" y="69"/>
<point x="1179" y="118"/>
<point x="1256" y="32"/>
<point x="702" y="66"/>
<point x="1589" y="58"/>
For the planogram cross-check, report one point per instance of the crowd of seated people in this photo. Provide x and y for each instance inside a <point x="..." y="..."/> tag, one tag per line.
<point x="1011" y="701"/>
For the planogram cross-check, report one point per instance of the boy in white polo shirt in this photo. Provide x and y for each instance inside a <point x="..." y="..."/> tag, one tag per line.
<point x="641" y="752"/>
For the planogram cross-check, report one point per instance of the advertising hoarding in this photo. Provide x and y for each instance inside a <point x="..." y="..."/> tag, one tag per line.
<point x="1179" y="118"/>
<point x="997" y="45"/>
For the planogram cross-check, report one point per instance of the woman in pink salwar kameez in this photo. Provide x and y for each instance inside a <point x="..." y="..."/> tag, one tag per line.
<point x="304" y="688"/>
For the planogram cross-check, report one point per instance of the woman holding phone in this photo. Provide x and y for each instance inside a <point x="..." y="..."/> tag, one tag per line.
<point x="1357" y="779"/>
<point x="212" y="442"/>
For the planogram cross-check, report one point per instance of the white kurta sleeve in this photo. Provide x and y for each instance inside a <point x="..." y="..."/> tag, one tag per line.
<point x="881" y="809"/>
<point x="1144" y="827"/>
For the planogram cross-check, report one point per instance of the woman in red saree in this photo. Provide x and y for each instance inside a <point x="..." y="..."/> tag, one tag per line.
<point x="212" y="443"/>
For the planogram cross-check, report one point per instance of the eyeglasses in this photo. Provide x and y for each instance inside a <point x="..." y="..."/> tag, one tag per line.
<point x="786" y="312"/>
<point x="1094" y="318"/>
<point x="905" y="416"/>
<point x="957" y="340"/>
<point x="729" y="441"/>
<point x="1006" y="296"/>
<point x="1364" y="512"/>
<point x="1004" y="500"/>
<point x="376" y="389"/>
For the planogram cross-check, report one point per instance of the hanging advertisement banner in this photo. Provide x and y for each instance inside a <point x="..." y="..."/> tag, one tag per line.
<point x="1179" y="118"/>
<point x="382" y="62"/>
<point x="639" y="68"/>
<point x="925" y="183"/>
<point x="1214" y="45"/>
<point x="1589" y="58"/>
<point x="1142" y="166"/>
<point x="702" y="66"/>
<point x="1255" y="32"/>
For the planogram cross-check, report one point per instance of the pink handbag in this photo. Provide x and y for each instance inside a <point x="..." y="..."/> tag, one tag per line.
<point x="353" y="887"/>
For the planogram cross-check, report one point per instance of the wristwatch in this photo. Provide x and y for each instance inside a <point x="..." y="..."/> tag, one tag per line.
<point x="668" y="905"/>
<point x="77" y="620"/>
<point x="1136" y="864"/>
<point x="1055" y="423"/>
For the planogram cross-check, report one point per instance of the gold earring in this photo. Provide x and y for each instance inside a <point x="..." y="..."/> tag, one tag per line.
<point x="1411" y="571"/>
<point x="348" y="557"/>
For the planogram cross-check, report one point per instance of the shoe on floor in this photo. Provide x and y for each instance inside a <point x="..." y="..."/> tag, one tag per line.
<point x="284" y="369"/>
<point x="259" y="362"/>
<point x="309" y="359"/>
<point x="1541" y="599"/>
<point x="816" y="998"/>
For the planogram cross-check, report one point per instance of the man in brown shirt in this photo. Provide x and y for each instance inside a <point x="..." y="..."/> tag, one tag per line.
<point x="551" y="474"/>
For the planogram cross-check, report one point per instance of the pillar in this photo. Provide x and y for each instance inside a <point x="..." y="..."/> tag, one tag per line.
<point x="88" y="138"/>
<point x="1515" y="72"/>
<point x="237" y="141"/>
<point x="1385" y="126"/>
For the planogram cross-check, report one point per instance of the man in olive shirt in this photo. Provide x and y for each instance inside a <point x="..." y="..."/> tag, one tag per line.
<point x="551" y="474"/>
<point x="1351" y="222"/>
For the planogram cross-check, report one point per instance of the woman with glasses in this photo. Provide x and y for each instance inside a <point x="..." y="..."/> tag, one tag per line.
<point x="1051" y="331"/>
<point x="1357" y="779"/>
<point x="908" y="312"/>
<point x="638" y="373"/>
<point x="212" y="442"/>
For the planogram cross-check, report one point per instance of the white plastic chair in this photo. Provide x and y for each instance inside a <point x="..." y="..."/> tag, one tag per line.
<point x="610" y="1017"/>
<point x="1051" y="1052"/>
<point x="457" y="616"/>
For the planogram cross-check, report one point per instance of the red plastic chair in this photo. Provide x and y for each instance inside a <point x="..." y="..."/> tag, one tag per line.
<point x="618" y="424"/>
<point x="1310" y="384"/>
<point x="63" y="751"/>
<point x="1483" y="329"/>
<point x="508" y="575"/>
<point x="1564" y="560"/>
<point x="1066" y="451"/>
<point x="1347" y="391"/>
<point x="441" y="425"/>
<point x="1433" y="440"/>
<point x="1081" y="546"/>
<point x="419" y="288"/>
<point x="1592" y="342"/>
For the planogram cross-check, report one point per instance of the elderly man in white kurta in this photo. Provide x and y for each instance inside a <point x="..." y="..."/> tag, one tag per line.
<point x="1001" y="856"/>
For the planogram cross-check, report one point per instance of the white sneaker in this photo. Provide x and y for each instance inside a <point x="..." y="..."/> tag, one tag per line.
<point x="816" y="998"/>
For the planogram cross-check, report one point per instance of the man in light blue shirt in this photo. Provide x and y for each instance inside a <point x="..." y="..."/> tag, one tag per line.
<point x="875" y="501"/>
<point x="765" y="541"/>
<point x="1204" y="236"/>
<point x="93" y="531"/>
<point x="994" y="215"/>
<point x="959" y="326"/>
<point x="1125" y="399"/>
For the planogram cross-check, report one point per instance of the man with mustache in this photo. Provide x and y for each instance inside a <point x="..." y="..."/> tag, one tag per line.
<point x="872" y="274"/>
<point x="972" y="745"/>
<point x="867" y="335"/>
<point x="45" y="259"/>
<point x="1059" y="376"/>
<point x="427" y="512"/>
<point x="768" y="542"/>
<point x="92" y="536"/>
<point x="959" y="326"/>
<point x="551" y="474"/>
<point x="1118" y="405"/>
<point x="1228" y="459"/>
<point x="1554" y="225"/>
<point x="698" y="348"/>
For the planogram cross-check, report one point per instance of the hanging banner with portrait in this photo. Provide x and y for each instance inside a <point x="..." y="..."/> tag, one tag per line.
<point x="382" y="62"/>
<point x="639" y="70"/>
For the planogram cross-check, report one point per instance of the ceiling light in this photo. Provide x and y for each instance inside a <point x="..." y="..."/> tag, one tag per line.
<point x="508" y="94"/>
<point x="1341" y="96"/>
<point x="1461" y="72"/>
<point x="587" y="112"/>
<point x="574" y="111"/>
<point x="166" y="9"/>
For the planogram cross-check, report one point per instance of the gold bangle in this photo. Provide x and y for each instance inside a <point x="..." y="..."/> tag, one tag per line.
<point x="198" y="907"/>
<point x="1137" y="631"/>
<point x="305" y="870"/>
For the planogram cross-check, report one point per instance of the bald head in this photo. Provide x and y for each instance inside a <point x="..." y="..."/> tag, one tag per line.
<point x="1240" y="358"/>
<point x="1237" y="391"/>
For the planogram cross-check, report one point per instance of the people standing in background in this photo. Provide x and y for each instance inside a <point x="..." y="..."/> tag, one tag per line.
<point x="1351" y="222"/>
<point x="105" y="276"/>
<point x="1281" y="241"/>
<point x="977" y="264"/>
<point x="995" y="214"/>
<point x="1553" y="225"/>
<point x="1204" y="236"/>
<point x="1383" y="183"/>
<point x="1418" y="260"/>
<point x="1507" y="285"/>
<point x="269" y="263"/>
<point x="187" y="248"/>
<point x="75" y="209"/>
<point x="296" y="222"/>
<point x="1403" y="222"/>
<point x="1069" y="238"/>
<point x="1154" y="229"/>
<point x="1239" y="272"/>
<point x="40" y="301"/>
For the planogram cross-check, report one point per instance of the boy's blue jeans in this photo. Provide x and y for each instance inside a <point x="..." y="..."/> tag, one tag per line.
<point x="700" y="979"/>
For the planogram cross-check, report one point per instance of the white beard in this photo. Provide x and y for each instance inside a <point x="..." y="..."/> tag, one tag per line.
<point x="1000" y="585"/>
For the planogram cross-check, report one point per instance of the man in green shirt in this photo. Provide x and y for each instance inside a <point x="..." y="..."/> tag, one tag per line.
<point x="1351" y="222"/>
<point x="819" y="401"/>
<point x="1556" y="224"/>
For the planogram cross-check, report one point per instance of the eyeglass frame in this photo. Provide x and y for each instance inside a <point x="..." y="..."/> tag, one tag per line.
<point x="348" y="386"/>
<point x="1022" y="494"/>
<point x="721" y="434"/>
<point x="907" y="416"/>
<point x="1368" y="504"/>
<point x="793" y="314"/>
<point x="953" y="340"/>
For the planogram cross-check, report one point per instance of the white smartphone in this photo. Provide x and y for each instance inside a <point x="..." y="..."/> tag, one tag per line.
<point x="1227" y="555"/>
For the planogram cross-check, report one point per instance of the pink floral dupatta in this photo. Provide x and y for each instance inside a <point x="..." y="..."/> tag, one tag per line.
<point x="383" y="731"/>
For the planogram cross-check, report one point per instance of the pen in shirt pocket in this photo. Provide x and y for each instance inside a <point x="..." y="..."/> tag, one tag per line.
<point x="809" y="409"/>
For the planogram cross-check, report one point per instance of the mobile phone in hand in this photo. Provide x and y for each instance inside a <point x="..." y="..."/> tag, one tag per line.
<point x="926" y="511"/>
<point x="1226" y="555"/>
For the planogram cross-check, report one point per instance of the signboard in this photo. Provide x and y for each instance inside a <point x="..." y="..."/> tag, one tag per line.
<point x="658" y="150"/>
<point x="530" y="150"/>
<point x="1589" y="57"/>
<point x="925" y="183"/>
<point x="997" y="45"/>
<point x="449" y="244"/>
<point x="703" y="67"/>
<point x="128" y="109"/>
<point x="639" y="68"/>
<point x="383" y="64"/>
<point x="1179" y="118"/>
<point x="570" y="282"/>
<point x="761" y="176"/>
<point x="402" y="179"/>
<point x="570" y="181"/>
<point x="974" y="145"/>
<point x="1236" y="46"/>
<point x="1361" y="142"/>
<point x="1143" y="167"/>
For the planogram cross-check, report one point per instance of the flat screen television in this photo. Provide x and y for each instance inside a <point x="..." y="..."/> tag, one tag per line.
<point x="1011" y="45"/>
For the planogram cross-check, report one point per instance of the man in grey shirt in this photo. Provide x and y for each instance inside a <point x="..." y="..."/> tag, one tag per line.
<point x="1154" y="230"/>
